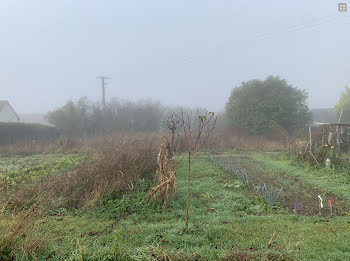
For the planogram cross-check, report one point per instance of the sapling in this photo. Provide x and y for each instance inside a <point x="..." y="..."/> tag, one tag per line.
<point x="196" y="133"/>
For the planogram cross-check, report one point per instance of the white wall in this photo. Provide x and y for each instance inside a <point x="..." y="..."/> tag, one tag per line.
<point x="7" y="115"/>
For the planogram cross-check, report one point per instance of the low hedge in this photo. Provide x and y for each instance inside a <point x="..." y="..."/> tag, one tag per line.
<point x="17" y="132"/>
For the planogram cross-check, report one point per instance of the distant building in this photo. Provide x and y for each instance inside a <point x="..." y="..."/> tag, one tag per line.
<point x="323" y="116"/>
<point x="7" y="113"/>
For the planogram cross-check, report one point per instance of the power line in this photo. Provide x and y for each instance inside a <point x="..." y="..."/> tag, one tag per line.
<point x="308" y="25"/>
<point x="264" y="36"/>
<point x="304" y="24"/>
<point x="336" y="28"/>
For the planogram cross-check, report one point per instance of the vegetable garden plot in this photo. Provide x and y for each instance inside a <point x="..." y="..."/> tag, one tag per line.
<point x="20" y="170"/>
<point x="296" y="195"/>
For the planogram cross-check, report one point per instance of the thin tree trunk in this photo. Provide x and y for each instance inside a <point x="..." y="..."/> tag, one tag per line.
<point x="188" y="188"/>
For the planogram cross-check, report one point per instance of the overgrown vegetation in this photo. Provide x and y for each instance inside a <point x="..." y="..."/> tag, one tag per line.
<point x="18" y="234"/>
<point x="62" y="184"/>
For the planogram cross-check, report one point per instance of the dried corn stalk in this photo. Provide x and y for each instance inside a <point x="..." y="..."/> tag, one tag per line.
<point x="165" y="175"/>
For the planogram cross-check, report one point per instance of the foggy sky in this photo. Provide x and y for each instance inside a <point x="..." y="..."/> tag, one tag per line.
<point x="185" y="52"/>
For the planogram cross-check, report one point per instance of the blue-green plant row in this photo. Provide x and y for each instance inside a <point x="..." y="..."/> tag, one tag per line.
<point x="269" y="193"/>
<point x="230" y="169"/>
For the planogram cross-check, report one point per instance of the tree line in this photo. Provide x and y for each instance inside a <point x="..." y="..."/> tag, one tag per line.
<point x="84" y="117"/>
<point x="256" y="105"/>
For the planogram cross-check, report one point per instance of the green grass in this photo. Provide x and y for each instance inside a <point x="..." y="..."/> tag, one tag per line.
<point x="225" y="222"/>
<point x="240" y="224"/>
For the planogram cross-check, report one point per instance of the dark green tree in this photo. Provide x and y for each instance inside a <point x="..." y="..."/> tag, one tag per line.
<point x="261" y="105"/>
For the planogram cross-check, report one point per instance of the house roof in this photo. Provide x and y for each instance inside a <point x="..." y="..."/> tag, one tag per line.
<point x="4" y="103"/>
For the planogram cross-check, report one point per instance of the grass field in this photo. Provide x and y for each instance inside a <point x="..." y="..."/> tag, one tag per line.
<point x="228" y="220"/>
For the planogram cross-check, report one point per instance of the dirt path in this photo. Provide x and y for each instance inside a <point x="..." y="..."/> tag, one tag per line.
<point x="294" y="190"/>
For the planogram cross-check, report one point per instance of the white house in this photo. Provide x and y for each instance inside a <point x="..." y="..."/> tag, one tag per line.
<point x="7" y="113"/>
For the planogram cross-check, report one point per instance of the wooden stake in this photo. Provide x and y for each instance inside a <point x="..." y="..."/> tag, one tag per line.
<point x="310" y="139"/>
<point x="330" y="205"/>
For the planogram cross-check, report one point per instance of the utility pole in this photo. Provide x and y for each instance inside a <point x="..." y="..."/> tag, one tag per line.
<point x="103" y="78"/>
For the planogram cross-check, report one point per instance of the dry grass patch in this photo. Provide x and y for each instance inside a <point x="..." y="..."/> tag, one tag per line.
<point x="116" y="163"/>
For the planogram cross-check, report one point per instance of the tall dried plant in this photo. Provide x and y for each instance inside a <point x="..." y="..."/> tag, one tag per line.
<point x="165" y="175"/>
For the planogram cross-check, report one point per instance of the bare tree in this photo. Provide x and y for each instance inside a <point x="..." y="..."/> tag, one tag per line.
<point x="196" y="131"/>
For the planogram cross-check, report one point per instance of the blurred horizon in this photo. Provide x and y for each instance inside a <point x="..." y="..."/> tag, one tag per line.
<point x="186" y="53"/>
